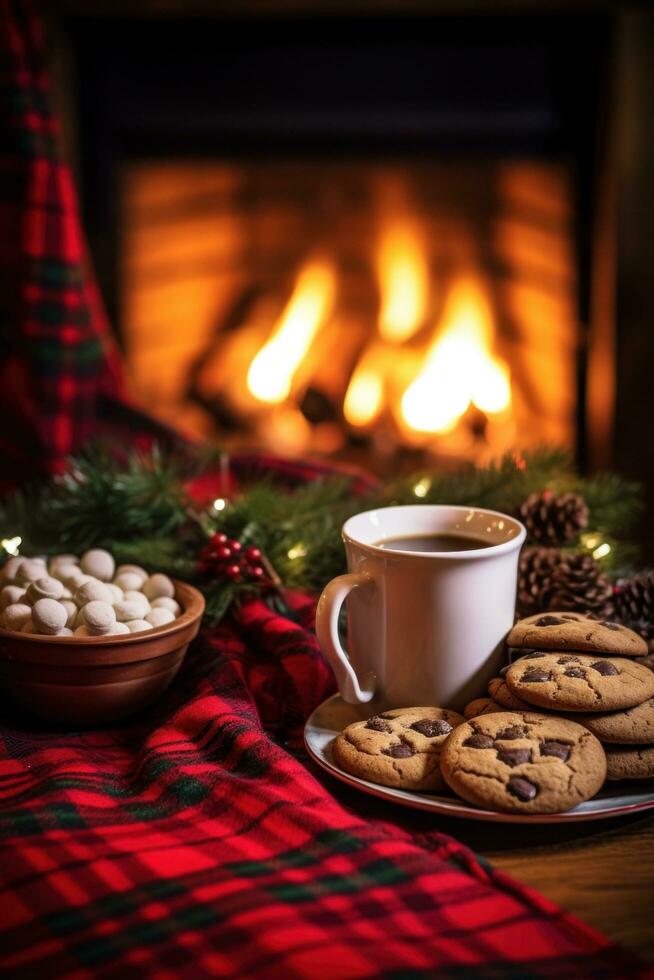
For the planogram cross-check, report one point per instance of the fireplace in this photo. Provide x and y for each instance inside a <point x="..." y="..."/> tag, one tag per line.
<point x="412" y="305"/>
<point x="372" y="238"/>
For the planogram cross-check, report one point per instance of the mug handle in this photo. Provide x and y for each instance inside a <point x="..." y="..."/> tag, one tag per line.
<point x="327" y="613"/>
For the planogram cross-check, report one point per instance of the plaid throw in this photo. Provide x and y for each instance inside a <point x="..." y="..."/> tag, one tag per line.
<point x="57" y="357"/>
<point x="197" y="842"/>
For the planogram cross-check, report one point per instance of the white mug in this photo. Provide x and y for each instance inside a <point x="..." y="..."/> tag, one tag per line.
<point x="423" y="628"/>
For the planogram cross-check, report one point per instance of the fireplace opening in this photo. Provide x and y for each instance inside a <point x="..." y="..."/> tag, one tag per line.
<point x="370" y="238"/>
<point x="330" y="308"/>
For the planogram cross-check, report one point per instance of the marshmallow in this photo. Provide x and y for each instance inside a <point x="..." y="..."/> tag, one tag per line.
<point x="133" y="596"/>
<point x="61" y="561"/>
<point x="134" y="570"/>
<point x="71" y="610"/>
<point x="92" y="590"/>
<point x="49" y="616"/>
<point x="98" y="617"/>
<point x="30" y="570"/>
<point x="10" y="594"/>
<point x="16" y="615"/>
<point x="72" y="577"/>
<point x="10" y="568"/>
<point x="45" y="588"/>
<point x="116" y="592"/>
<point x="99" y="563"/>
<point x="65" y="632"/>
<point x="118" y="628"/>
<point x="127" y="609"/>
<point x="129" y="582"/>
<point x="160" y="617"/>
<point x="138" y="625"/>
<point x="165" y="602"/>
<point x="158" y="585"/>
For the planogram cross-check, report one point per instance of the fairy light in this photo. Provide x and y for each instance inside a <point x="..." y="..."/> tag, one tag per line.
<point x="593" y="542"/>
<point x="422" y="487"/>
<point x="219" y="504"/>
<point x="12" y="545"/>
<point x="297" y="551"/>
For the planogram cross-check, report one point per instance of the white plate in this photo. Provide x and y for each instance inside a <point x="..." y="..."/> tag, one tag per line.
<point x="331" y="717"/>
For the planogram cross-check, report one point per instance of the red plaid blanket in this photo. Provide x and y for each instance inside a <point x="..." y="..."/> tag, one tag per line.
<point x="57" y="356"/>
<point x="196" y="842"/>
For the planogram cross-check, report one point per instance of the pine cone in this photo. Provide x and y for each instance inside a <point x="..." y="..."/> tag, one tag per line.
<point x="535" y="579"/>
<point x="634" y="604"/>
<point x="580" y="585"/>
<point x="554" y="519"/>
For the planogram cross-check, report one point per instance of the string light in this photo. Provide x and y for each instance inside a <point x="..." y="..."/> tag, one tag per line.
<point x="593" y="542"/>
<point x="12" y="545"/>
<point x="297" y="551"/>
<point x="422" y="487"/>
<point x="219" y="504"/>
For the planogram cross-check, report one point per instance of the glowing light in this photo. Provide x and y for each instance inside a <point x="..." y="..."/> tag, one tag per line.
<point x="403" y="282"/>
<point x="297" y="551"/>
<point x="459" y="367"/>
<point x="602" y="551"/>
<point x="363" y="399"/>
<point x="591" y="540"/>
<point x="271" y="372"/>
<point x="219" y="504"/>
<point x="422" y="487"/>
<point x="12" y="545"/>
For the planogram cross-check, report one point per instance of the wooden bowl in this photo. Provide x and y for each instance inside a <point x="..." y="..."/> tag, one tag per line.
<point x="95" y="680"/>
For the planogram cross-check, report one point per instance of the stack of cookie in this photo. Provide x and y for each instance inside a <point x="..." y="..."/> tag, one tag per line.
<point x="584" y="670"/>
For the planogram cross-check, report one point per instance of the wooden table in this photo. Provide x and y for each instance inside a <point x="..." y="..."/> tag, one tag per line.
<point x="603" y="871"/>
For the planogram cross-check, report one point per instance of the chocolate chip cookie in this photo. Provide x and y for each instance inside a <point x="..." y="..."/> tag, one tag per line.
<point x="481" y="706"/>
<point x="398" y="748"/>
<point x="573" y="631"/>
<point x="523" y="763"/>
<point x="574" y="682"/>
<point x="634" y="726"/>
<point x="502" y="694"/>
<point x="629" y="762"/>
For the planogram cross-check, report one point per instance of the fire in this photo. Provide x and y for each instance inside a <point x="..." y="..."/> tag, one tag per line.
<point x="271" y="372"/>
<point x="459" y="367"/>
<point x="403" y="282"/>
<point x="363" y="399"/>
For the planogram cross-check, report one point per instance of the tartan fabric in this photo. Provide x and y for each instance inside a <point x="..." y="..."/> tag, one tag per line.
<point x="58" y="358"/>
<point x="198" y="842"/>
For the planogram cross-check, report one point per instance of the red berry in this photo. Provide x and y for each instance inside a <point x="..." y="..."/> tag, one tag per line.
<point x="235" y="546"/>
<point x="257" y="572"/>
<point x="233" y="572"/>
<point x="219" y="538"/>
<point x="224" y="553"/>
<point x="252" y="553"/>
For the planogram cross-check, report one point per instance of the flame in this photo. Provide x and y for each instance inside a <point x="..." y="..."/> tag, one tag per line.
<point x="403" y="282"/>
<point x="365" y="392"/>
<point x="271" y="372"/>
<point x="459" y="367"/>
